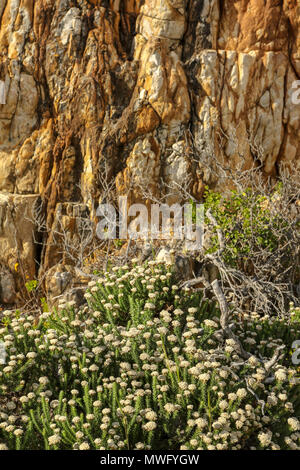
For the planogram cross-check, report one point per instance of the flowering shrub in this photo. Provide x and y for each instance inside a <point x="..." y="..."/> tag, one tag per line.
<point x="144" y="366"/>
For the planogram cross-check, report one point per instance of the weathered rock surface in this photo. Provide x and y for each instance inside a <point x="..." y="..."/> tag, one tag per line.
<point x="18" y="247"/>
<point x="7" y="288"/>
<point x="140" y="91"/>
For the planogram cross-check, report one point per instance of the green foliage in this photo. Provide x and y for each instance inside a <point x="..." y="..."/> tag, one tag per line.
<point x="248" y="223"/>
<point x="31" y="285"/>
<point x="44" y="304"/>
<point x="118" y="243"/>
<point x="143" y="367"/>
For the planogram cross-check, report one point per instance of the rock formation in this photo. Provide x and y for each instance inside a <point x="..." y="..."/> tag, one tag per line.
<point x="140" y="92"/>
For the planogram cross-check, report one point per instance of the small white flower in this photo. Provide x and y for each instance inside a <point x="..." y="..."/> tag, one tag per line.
<point x="201" y="423"/>
<point x="280" y="375"/>
<point x="11" y="405"/>
<point x="241" y="393"/>
<point x="265" y="438"/>
<point x="84" y="446"/>
<point x="55" y="439"/>
<point x="169" y="407"/>
<point x="204" y="377"/>
<point x="151" y="415"/>
<point x="150" y="426"/>
<point x="294" y="424"/>
<point x="210" y="324"/>
<point x="31" y="355"/>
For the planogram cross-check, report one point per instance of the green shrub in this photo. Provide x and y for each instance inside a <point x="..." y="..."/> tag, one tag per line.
<point x="31" y="285"/>
<point x="253" y="228"/>
<point x="143" y="366"/>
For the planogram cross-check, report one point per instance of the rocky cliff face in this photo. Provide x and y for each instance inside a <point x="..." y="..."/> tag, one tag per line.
<point x="139" y="92"/>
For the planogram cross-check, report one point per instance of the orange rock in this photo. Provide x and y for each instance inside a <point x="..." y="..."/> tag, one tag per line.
<point x="143" y="93"/>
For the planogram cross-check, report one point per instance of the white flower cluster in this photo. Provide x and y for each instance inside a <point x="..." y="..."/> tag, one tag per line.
<point x="142" y="364"/>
